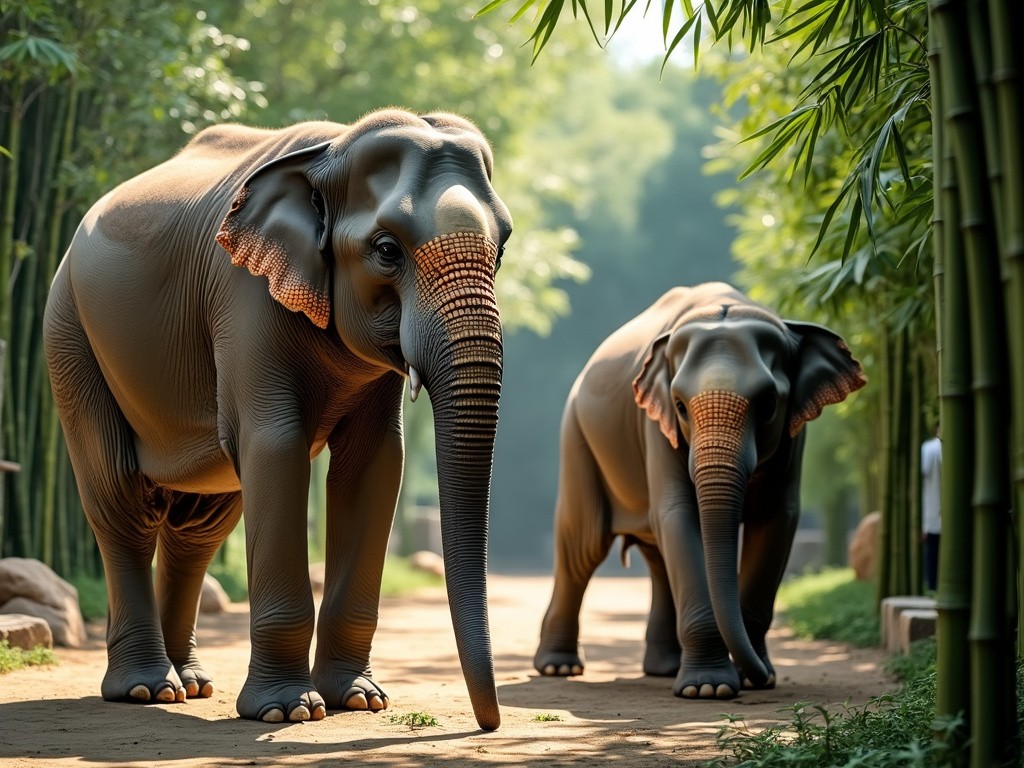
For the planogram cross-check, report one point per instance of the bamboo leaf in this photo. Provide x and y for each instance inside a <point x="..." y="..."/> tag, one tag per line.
<point x="677" y="39"/>
<point x="851" y="232"/>
<point x="666" y="19"/>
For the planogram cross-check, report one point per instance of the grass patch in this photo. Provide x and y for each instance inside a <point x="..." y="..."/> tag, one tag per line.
<point x="232" y="577"/>
<point x="92" y="596"/>
<point x="415" y="720"/>
<point x="831" y="605"/>
<point x="12" y="657"/>
<point x="400" y="578"/>
<point x="545" y="718"/>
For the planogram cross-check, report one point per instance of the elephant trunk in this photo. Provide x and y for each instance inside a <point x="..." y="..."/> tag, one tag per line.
<point x="722" y="462"/>
<point x="464" y="392"/>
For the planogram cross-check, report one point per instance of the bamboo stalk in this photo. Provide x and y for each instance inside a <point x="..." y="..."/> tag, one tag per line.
<point x="953" y="602"/>
<point x="988" y="349"/>
<point x="1005" y="17"/>
<point x="914" y="577"/>
<point x="885" y="468"/>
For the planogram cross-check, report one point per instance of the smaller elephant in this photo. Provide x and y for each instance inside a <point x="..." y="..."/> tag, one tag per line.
<point x="686" y="423"/>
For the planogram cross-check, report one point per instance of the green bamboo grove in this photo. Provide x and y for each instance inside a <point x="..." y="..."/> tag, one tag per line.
<point x="41" y="514"/>
<point x="976" y="110"/>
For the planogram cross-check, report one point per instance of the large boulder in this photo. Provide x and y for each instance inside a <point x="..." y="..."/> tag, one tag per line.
<point x="863" y="550"/>
<point x="30" y="587"/>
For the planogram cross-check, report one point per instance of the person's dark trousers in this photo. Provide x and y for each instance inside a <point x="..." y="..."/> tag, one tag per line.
<point x="931" y="561"/>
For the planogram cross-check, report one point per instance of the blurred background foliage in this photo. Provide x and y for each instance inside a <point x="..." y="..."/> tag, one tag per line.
<point x="621" y="175"/>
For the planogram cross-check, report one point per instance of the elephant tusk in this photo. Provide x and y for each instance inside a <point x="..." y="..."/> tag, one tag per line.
<point x="414" y="383"/>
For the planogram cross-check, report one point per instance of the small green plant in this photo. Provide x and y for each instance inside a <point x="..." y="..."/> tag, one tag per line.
<point x="12" y="658"/>
<point x="546" y="718"/>
<point x="831" y="605"/>
<point x="415" y="720"/>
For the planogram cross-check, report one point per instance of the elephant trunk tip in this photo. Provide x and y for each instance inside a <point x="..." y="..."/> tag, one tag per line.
<point x="488" y="720"/>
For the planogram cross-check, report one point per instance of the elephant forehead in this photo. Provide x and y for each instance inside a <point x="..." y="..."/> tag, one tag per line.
<point x="458" y="210"/>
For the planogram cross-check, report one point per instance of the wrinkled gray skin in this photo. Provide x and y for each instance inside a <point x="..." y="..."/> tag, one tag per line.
<point x="193" y="391"/>
<point x="686" y="422"/>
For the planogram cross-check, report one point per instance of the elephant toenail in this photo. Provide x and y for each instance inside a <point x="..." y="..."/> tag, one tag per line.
<point x="139" y="693"/>
<point x="166" y="695"/>
<point x="299" y="714"/>
<point x="319" y="712"/>
<point x="207" y="691"/>
<point x="179" y="695"/>
<point x="375" y="703"/>
<point x="690" y="692"/>
<point x="549" y="670"/>
<point x="706" y="691"/>
<point x="724" y="691"/>
<point x="274" y="715"/>
<point x="357" y="701"/>
<point x="563" y="670"/>
<point x="192" y="689"/>
<point x="577" y="669"/>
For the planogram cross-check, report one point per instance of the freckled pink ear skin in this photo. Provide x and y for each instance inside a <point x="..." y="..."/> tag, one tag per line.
<point x="271" y="230"/>
<point x="826" y="373"/>
<point x="652" y="390"/>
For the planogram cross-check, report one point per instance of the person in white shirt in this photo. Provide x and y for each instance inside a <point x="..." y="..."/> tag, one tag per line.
<point x="931" y="495"/>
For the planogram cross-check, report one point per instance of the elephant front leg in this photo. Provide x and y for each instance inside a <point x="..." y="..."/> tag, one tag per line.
<point x="361" y="506"/>
<point x="705" y="669"/>
<point x="275" y="483"/>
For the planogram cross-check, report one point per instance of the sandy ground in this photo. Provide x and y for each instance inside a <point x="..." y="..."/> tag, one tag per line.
<point x="613" y="715"/>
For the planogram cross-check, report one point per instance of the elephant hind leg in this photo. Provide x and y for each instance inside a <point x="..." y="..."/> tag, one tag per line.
<point x="124" y="509"/>
<point x="582" y="540"/>
<point x="662" y="652"/>
<point x="196" y="526"/>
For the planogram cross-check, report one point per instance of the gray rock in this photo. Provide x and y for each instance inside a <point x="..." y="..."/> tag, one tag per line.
<point x="213" y="598"/>
<point x="23" y="631"/>
<point x="31" y="587"/>
<point x="427" y="561"/>
<point x="863" y="550"/>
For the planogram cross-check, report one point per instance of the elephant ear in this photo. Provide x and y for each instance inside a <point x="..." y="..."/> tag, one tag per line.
<point x="825" y="373"/>
<point x="652" y="390"/>
<point x="278" y="228"/>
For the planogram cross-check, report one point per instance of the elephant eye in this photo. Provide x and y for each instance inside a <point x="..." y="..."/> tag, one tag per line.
<point x="681" y="407"/>
<point x="388" y="251"/>
<point x="497" y="261"/>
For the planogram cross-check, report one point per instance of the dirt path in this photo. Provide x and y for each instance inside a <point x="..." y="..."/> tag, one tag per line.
<point x="611" y="715"/>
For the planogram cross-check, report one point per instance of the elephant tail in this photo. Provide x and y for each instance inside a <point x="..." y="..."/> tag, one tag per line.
<point x="627" y="541"/>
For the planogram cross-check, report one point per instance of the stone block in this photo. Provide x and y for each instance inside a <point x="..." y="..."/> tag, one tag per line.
<point x="891" y="609"/>
<point x="24" y="631"/>
<point x="915" y="624"/>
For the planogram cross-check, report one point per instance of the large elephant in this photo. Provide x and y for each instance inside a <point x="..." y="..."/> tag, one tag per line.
<point x="685" y="423"/>
<point x="194" y="392"/>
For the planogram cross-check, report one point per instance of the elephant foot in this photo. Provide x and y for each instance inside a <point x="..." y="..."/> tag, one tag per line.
<point x="153" y="683"/>
<point x="278" y="701"/>
<point x="351" y="691"/>
<point x="198" y="684"/>
<point x="551" y="663"/>
<point x="661" y="659"/>
<point x="707" y="682"/>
